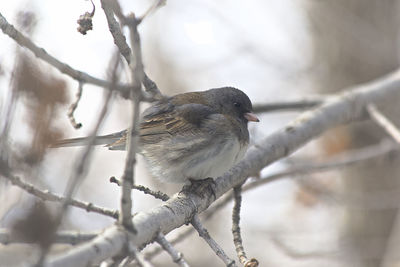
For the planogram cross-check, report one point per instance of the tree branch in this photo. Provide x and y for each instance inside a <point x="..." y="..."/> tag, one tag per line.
<point x="384" y="122"/>
<point x="176" y="256"/>
<point x="305" y="103"/>
<point x="64" y="237"/>
<point x="48" y="196"/>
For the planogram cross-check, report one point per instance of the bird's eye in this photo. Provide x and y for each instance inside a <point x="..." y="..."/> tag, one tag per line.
<point x="236" y="104"/>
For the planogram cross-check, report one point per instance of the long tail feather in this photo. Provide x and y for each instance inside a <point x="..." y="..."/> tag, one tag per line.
<point x="82" y="141"/>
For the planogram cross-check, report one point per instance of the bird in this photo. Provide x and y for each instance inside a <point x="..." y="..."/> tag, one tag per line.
<point x="190" y="136"/>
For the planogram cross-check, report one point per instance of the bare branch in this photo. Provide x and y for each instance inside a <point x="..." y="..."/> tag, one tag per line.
<point x="343" y="108"/>
<point x="156" y="194"/>
<point x="176" y="256"/>
<point x="128" y="178"/>
<point x="384" y="122"/>
<point x="114" y="27"/>
<point x="48" y="196"/>
<point x="64" y="237"/>
<point x="301" y="104"/>
<point x="237" y="237"/>
<point x="39" y="52"/>
<point x="152" y="9"/>
<point x="211" y="242"/>
<point x="138" y="257"/>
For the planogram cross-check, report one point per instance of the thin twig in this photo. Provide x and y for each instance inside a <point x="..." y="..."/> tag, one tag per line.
<point x="73" y="107"/>
<point x="48" y="196"/>
<point x="176" y="256"/>
<point x="152" y="9"/>
<point x="211" y="242"/>
<point x="156" y="194"/>
<point x="61" y="237"/>
<point x="39" y="52"/>
<point x="136" y="67"/>
<point x="138" y="257"/>
<point x="384" y="122"/>
<point x="237" y="237"/>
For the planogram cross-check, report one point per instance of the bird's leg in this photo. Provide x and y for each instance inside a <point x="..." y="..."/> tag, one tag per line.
<point x="201" y="188"/>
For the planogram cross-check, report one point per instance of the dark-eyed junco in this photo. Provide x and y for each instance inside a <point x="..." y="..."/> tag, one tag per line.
<point x="189" y="136"/>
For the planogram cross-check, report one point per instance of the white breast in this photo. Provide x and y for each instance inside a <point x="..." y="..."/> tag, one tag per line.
<point x="218" y="160"/>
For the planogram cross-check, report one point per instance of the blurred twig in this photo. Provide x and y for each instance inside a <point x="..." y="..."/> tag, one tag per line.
<point x="152" y="9"/>
<point x="391" y="248"/>
<point x="384" y="122"/>
<point x="45" y="195"/>
<point x="304" y="103"/>
<point x="64" y="237"/>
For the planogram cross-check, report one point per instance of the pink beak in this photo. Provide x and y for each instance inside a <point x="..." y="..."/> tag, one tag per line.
<point x="251" y="117"/>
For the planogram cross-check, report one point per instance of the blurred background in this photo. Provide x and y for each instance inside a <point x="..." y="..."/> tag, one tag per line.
<point x="274" y="50"/>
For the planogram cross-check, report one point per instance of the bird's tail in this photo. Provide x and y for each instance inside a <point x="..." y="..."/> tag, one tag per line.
<point x="82" y="141"/>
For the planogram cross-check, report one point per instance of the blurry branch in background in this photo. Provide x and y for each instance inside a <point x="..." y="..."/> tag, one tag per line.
<point x="39" y="52"/>
<point x="391" y="250"/>
<point x="384" y="122"/>
<point x="295" y="254"/>
<point x="300" y="104"/>
<point x="48" y="196"/>
<point x="62" y="237"/>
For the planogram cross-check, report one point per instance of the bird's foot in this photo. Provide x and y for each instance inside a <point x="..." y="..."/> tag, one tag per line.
<point x="201" y="188"/>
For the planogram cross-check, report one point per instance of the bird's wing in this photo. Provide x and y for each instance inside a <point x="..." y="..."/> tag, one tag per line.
<point x="173" y="121"/>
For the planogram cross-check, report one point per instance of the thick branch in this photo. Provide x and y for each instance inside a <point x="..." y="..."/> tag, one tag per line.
<point x="344" y="108"/>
